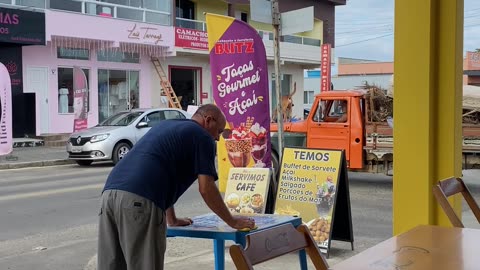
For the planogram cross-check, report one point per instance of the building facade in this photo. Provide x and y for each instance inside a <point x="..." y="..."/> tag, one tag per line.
<point x="354" y="73"/>
<point x="114" y="41"/>
<point x="471" y="67"/>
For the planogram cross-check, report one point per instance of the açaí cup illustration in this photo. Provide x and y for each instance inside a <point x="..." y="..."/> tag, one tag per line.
<point x="259" y="143"/>
<point x="239" y="146"/>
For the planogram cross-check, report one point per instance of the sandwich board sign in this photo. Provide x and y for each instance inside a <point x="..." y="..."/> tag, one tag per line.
<point x="313" y="184"/>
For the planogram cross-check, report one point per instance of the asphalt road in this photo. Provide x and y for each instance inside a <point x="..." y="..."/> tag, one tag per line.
<point x="49" y="219"/>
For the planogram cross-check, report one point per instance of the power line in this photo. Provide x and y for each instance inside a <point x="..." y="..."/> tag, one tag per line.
<point x="361" y="36"/>
<point x="470" y="10"/>
<point x="355" y="22"/>
<point x="385" y="27"/>
<point x="360" y="41"/>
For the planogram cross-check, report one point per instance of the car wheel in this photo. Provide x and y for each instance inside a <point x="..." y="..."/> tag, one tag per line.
<point x="84" y="162"/>
<point x="120" y="151"/>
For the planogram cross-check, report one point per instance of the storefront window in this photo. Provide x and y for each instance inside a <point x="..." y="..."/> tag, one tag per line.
<point x="65" y="91"/>
<point x="118" y="90"/>
<point x="308" y="97"/>
<point x="159" y="5"/>
<point x="28" y="3"/>
<point x="72" y="53"/>
<point x="69" y="5"/>
<point x="118" y="56"/>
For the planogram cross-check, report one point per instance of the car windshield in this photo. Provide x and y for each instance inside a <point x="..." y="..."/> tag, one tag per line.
<point x="121" y="119"/>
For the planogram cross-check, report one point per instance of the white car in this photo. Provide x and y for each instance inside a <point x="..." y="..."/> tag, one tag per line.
<point x="116" y="135"/>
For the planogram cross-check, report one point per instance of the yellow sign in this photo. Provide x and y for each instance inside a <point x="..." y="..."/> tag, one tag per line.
<point x="247" y="190"/>
<point x="307" y="188"/>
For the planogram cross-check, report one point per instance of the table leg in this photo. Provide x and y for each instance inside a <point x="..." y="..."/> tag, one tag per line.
<point x="241" y="240"/>
<point x="219" y="251"/>
<point x="302" y="256"/>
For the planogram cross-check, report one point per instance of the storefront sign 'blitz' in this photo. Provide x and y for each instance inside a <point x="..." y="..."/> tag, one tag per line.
<point x="234" y="47"/>
<point x="144" y="33"/>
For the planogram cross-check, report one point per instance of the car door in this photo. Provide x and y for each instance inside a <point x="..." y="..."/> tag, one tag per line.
<point x="156" y="117"/>
<point x="151" y="119"/>
<point x="173" y="114"/>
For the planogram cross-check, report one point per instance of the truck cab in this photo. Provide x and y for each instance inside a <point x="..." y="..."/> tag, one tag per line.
<point x="336" y="121"/>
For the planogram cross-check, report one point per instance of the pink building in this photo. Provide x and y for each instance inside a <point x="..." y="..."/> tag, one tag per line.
<point x="115" y="56"/>
<point x="114" y="53"/>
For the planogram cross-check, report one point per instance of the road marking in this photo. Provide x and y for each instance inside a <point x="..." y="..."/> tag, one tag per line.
<point x="92" y="263"/>
<point x="49" y="192"/>
<point x="22" y="177"/>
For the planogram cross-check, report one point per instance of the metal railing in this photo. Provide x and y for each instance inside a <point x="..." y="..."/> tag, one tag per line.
<point x="190" y="24"/>
<point x="292" y="39"/>
<point x="201" y="26"/>
<point x="92" y="7"/>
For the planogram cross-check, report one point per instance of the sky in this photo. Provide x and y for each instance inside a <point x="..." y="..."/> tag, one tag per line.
<point x="365" y="29"/>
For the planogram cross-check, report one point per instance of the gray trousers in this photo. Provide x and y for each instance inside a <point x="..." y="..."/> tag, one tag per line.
<point x="131" y="233"/>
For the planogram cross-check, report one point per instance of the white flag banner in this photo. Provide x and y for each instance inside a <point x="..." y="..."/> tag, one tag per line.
<point x="6" y="143"/>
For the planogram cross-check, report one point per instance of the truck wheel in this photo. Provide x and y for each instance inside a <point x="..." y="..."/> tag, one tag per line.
<point x="272" y="189"/>
<point x="275" y="165"/>
<point x="120" y="151"/>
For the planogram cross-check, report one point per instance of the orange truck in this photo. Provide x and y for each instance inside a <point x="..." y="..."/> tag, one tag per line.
<point x="337" y="121"/>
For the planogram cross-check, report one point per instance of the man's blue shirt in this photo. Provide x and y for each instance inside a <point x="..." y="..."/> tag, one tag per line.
<point x="165" y="162"/>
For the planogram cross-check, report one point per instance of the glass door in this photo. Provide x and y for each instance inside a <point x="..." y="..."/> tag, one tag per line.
<point x="133" y="89"/>
<point x="117" y="95"/>
<point x="103" y="89"/>
<point x="118" y="90"/>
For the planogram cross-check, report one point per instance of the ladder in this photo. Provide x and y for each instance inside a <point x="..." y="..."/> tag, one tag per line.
<point x="165" y="86"/>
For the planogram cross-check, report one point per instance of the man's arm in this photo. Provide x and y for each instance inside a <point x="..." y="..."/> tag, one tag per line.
<point x="213" y="199"/>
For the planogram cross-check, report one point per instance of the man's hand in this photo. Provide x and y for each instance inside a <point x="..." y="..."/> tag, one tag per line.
<point x="178" y="222"/>
<point x="240" y="222"/>
<point x="213" y="199"/>
<point x="173" y="221"/>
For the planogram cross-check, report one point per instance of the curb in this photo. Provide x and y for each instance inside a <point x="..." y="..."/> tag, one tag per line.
<point x="44" y="163"/>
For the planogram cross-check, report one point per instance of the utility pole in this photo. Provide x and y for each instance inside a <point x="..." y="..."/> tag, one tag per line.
<point x="276" y="52"/>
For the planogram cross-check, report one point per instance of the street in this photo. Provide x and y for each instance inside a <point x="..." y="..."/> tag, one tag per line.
<point x="49" y="219"/>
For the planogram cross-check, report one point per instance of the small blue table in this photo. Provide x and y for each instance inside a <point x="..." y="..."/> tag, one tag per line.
<point x="210" y="226"/>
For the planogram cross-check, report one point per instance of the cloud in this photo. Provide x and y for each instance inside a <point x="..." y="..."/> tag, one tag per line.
<point x="364" y="29"/>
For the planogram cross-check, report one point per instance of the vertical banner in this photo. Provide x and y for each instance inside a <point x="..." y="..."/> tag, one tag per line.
<point x="80" y="99"/>
<point x="326" y="51"/>
<point x="6" y="142"/>
<point x="313" y="182"/>
<point x="240" y="88"/>
<point x="247" y="190"/>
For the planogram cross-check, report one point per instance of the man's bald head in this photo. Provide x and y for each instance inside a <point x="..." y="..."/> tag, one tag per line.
<point x="208" y="109"/>
<point x="210" y="117"/>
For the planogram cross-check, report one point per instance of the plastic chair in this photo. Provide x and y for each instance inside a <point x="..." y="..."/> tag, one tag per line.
<point x="449" y="187"/>
<point x="268" y="244"/>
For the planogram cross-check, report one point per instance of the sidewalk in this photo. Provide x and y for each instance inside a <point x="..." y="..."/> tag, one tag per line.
<point x="36" y="156"/>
